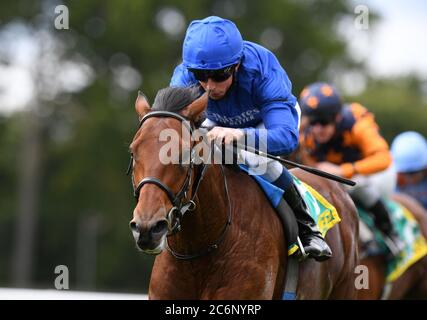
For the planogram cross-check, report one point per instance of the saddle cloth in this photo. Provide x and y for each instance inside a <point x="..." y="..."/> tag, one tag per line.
<point x="324" y="213"/>
<point x="408" y="231"/>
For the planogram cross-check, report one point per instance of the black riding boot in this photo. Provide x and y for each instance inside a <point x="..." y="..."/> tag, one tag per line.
<point x="314" y="244"/>
<point x="383" y="223"/>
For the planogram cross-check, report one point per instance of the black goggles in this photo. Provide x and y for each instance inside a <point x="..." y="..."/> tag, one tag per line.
<point x="216" y="75"/>
<point x="322" y="121"/>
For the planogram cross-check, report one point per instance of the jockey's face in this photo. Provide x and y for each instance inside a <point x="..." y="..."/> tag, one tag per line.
<point x="323" y="133"/>
<point x="411" y="178"/>
<point x="217" y="90"/>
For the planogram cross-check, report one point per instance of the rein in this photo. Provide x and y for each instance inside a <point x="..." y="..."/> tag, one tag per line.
<point x="179" y="209"/>
<point x="221" y="237"/>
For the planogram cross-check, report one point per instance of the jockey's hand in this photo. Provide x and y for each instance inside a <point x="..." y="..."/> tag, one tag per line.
<point x="225" y="135"/>
<point x="329" y="167"/>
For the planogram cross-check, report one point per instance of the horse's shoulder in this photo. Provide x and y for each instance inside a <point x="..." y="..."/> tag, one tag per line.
<point x="244" y="185"/>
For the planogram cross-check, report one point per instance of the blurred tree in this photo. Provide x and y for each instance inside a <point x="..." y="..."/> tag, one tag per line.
<point x="399" y="104"/>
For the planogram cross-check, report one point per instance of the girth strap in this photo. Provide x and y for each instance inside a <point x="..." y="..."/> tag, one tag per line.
<point x="290" y="227"/>
<point x="289" y="222"/>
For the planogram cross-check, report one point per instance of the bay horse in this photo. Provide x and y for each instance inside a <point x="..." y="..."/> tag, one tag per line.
<point x="230" y="243"/>
<point x="412" y="284"/>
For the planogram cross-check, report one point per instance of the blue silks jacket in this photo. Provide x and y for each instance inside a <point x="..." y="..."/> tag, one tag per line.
<point x="261" y="92"/>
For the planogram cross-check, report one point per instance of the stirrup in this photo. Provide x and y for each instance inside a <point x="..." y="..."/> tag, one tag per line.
<point x="303" y="255"/>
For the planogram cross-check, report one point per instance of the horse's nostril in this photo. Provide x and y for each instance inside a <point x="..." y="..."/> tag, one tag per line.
<point x="159" y="227"/>
<point x="134" y="227"/>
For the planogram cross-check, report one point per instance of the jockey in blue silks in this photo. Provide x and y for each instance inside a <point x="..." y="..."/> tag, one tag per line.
<point x="250" y="95"/>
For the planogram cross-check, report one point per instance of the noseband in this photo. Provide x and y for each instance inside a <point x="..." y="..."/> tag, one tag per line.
<point x="179" y="206"/>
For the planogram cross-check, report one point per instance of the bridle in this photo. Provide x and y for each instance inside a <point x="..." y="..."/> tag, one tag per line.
<point x="179" y="204"/>
<point x="179" y="208"/>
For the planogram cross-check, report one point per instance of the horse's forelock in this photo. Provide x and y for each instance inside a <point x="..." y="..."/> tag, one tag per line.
<point x="174" y="99"/>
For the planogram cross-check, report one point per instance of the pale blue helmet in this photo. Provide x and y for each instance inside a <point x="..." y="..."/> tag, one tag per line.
<point x="409" y="150"/>
<point x="212" y="43"/>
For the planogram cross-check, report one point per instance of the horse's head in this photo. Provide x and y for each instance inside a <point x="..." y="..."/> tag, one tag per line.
<point x="161" y="176"/>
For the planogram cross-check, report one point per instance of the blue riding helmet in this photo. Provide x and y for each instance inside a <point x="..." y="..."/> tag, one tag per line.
<point x="212" y="43"/>
<point x="409" y="150"/>
<point x="320" y="100"/>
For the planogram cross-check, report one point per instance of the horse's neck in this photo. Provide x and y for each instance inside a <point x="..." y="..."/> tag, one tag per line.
<point x="204" y="225"/>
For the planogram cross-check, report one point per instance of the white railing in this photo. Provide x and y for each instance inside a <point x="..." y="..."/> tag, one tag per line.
<point x="51" y="294"/>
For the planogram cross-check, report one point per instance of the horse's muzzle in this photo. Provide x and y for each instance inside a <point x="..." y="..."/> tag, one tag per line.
<point x="150" y="238"/>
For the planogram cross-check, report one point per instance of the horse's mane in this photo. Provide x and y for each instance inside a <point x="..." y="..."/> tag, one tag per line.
<point x="174" y="99"/>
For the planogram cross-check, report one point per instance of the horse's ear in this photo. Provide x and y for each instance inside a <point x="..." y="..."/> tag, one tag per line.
<point x="142" y="107"/>
<point x="194" y="109"/>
